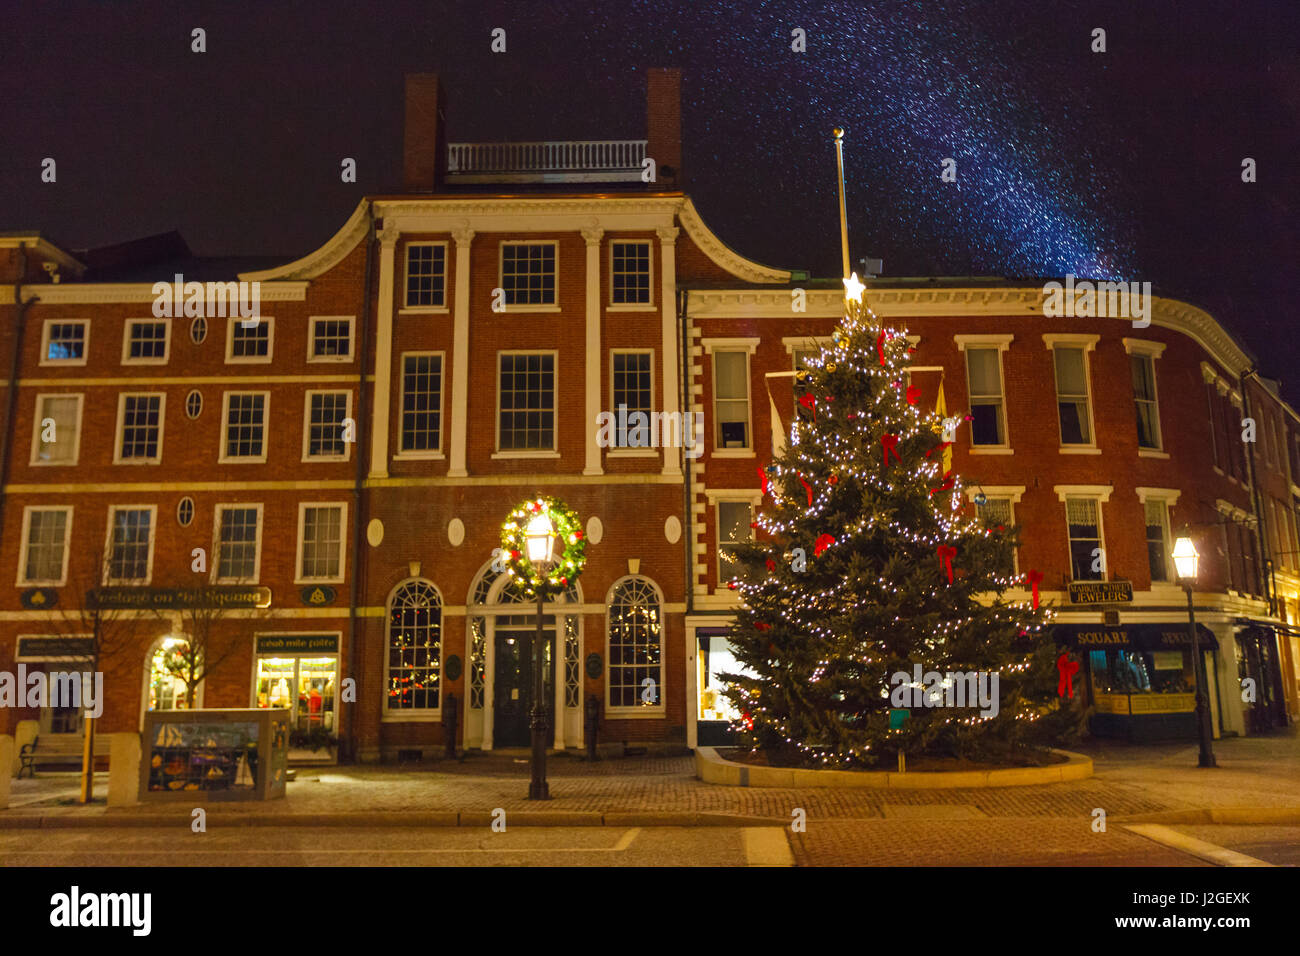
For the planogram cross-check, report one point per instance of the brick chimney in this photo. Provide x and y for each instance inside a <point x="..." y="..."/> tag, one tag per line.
<point x="664" y="124"/>
<point x="423" y="151"/>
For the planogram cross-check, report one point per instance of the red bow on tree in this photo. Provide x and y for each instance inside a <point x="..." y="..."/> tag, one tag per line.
<point x="946" y="553"/>
<point x="771" y="565"/>
<point x="940" y="447"/>
<point x="760" y="625"/>
<point x="1035" y="578"/>
<point x="808" y="488"/>
<point x="880" y="346"/>
<point x="762" y="477"/>
<point x="823" y="542"/>
<point x="810" y="403"/>
<point x="889" y="443"/>
<point x="948" y="479"/>
<point x="913" y="394"/>
<point x="1066" y="668"/>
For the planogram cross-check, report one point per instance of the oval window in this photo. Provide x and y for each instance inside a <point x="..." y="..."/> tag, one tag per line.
<point x="198" y="330"/>
<point x="185" y="512"/>
<point x="194" y="403"/>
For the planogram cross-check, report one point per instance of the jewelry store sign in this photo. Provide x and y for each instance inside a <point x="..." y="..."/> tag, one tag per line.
<point x="1101" y="592"/>
<point x="232" y="597"/>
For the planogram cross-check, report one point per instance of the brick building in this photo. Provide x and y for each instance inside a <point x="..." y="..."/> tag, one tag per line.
<point x="345" y="461"/>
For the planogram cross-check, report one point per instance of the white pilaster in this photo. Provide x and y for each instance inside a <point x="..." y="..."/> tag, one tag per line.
<point x="593" y="236"/>
<point x="383" y="353"/>
<point x="668" y="303"/>
<point x="460" y="355"/>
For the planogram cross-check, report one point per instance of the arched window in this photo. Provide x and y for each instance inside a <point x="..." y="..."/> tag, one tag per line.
<point x="414" y="647"/>
<point x="635" y="644"/>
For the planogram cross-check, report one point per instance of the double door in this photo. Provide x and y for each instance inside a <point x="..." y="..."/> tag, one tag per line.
<point x="513" y="678"/>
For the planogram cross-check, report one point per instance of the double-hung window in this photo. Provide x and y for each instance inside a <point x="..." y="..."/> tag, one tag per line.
<point x="130" y="544"/>
<point x="328" y="430"/>
<point x="733" y="517"/>
<point x="526" y="399"/>
<point x="330" y="339"/>
<point x="1142" y="363"/>
<point x="146" y="341"/>
<point x="56" y="432"/>
<point x="426" y="275"/>
<point x="629" y="273"/>
<point x="421" y="404"/>
<point x="528" y="273"/>
<point x="632" y="392"/>
<point x="320" y="542"/>
<point x="44" y="557"/>
<point x="998" y="512"/>
<point x="249" y="341"/>
<point x="1073" y="398"/>
<point x="731" y="402"/>
<point x="984" y="388"/>
<point x="245" y="415"/>
<point x="1084" y="533"/>
<point x="140" y="428"/>
<point x="1156" y="503"/>
<point x="237" y="545"/>
<point x="64" y="341"/>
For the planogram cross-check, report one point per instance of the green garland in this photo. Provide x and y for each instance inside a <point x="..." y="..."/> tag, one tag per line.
<point x="568" y="528"/>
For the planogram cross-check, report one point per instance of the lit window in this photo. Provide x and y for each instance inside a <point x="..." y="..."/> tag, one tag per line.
<point x="734" y="519"/>
<point x="1158" y="553"/>
<point x="56" y="437"/>
<point x="414" y="647"/>
<point x="635" y="645"/>
<point x="65" y="342"/>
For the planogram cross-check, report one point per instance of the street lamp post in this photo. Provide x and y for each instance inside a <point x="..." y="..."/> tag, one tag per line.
<point x="1186" y="561"/>
<point x="540" y="535"/>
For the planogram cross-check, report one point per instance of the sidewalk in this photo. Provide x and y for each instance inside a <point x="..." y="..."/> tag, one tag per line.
<point x="1140" y="783"/>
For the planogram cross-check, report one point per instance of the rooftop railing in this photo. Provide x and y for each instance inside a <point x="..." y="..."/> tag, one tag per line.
<point x="574" y="161"/>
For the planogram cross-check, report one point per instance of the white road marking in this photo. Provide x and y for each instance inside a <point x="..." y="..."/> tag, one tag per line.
<point x="767" y="846"/>
<point x="1211" y="852"/>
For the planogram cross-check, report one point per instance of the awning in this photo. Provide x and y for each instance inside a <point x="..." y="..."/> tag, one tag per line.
<point x="1142" y="637"/>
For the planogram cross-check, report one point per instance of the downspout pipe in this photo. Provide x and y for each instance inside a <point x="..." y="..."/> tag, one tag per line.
<point x="11" y="390"/>
<point x="1270" y="584"/>
<point x="359" y="501"/>
<point x="688" y="533"/>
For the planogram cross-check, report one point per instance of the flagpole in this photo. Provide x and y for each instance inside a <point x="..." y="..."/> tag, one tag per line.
<point x="844" y="219"/>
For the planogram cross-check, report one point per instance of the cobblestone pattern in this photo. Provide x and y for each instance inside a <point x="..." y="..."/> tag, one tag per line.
<point x="1003" y="842"/>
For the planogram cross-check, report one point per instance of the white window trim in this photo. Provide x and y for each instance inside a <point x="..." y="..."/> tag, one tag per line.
<point x="45" y="342"/>
<point x="1101" y="499"/>
<point x="343" y="542"/>
<point x="217" y="512"/>
<point x="1101" y="492"/>
<point x="36" y="430"/>
<point x="746" y="346"/>
<point x="25" y="544"/>
<point x="1001" y="343"/>
<point x="232" y="359"/>
<point x="631" y="452"/>
<point x="1153" y="351"/>
<point x="306" y="424"/>
<point x="1087" y="343"/>
<point x="351" y="320"/>
<point x="121" y="421"/>
<point x="126" y="342"/>
<point x="501" y="276"/>
<point x="654" y="710"/>
<point x="716" y="499"/>
<point x="222" y="457"/>
<point x="1167" y="497"/>
<point x="443" y="309"/>
<point x="611" y="305"/>
<point x="804" y="343"/>
<point x="1148" y="347"/>
<point x="108" y="545"/>
<point x="437" y="454"/>
<point x="553" y="451"/>
<point x="207" y="327"/>
<point x="1013" y="494"/>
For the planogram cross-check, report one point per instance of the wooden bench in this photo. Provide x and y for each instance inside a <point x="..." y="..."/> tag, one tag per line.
<point x="57" y="749"/>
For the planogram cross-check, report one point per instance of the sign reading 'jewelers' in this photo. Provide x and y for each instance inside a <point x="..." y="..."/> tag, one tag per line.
<point x="216" y="597"/>
<point x="1101" y="592"/>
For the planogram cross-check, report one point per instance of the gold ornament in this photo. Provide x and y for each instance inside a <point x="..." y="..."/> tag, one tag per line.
<point x="830" y="367"/>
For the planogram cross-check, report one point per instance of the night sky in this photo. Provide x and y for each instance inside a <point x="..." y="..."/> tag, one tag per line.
<point x="1124" y="164"/>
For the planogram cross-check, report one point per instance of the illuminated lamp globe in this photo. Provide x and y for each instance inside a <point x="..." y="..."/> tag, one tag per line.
<point x="1186" y="558"/>
<point x="540" y="535"/>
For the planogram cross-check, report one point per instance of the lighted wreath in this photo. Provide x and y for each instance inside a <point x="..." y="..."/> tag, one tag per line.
<point x="569" y="535"/>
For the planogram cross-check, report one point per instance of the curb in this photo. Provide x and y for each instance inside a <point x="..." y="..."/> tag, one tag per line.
<point x="478" y="819"/>
<point x="1241" y="816"/>
<point x="711" y="768"/>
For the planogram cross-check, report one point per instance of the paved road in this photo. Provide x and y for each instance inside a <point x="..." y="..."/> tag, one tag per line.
<point x="1279" y="845"/>
<point x="435" y="846"/>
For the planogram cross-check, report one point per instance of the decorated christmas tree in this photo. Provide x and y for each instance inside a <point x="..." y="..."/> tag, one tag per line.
<point x="872" y="579"/>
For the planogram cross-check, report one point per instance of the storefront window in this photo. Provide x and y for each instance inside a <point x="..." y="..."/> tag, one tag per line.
<point x="715" y="658"/>
<point x="304" y="686"/>
<point x="1141" y="672"/>
<point x="166" y="690"/>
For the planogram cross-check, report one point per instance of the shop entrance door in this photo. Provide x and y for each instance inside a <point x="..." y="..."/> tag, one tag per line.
<point x="306" y="686"/>
<point x="512" y="693"/>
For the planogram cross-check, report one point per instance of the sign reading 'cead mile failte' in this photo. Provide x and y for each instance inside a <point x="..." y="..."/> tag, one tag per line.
<point x="216" y="597"/>
<point x="297" y="644"/>
<point x="1100" y="592"/>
